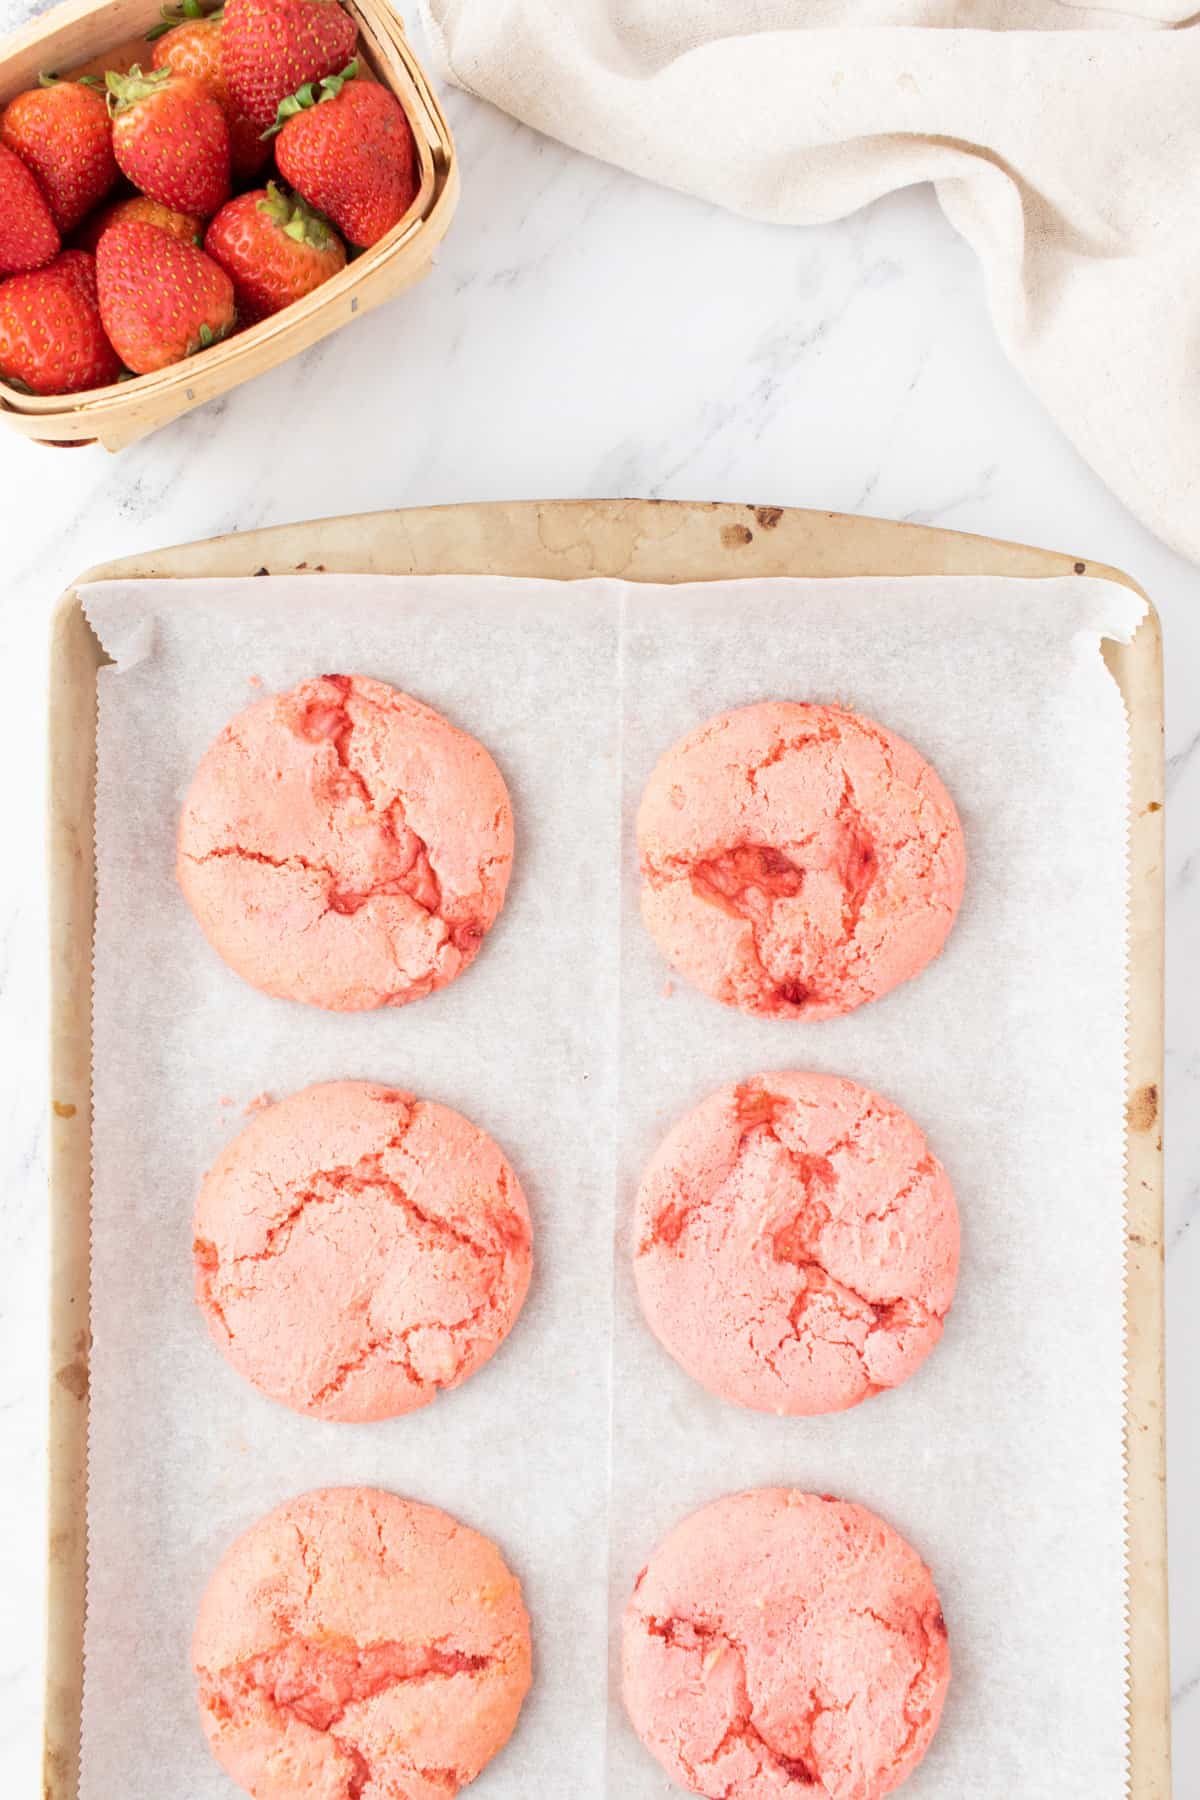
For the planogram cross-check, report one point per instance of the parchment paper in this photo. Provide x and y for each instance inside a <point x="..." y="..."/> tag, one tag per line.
<point x="582" y="1443"/>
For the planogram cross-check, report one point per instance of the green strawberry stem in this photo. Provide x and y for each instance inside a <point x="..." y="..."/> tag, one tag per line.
<point x="125" y="91"/>
<point x="48" y="79"/>
<point x="207" y="337"/>
<point x="296" y="219"/>
<point x="176" y="15"/>
<point x="307" y="96"/>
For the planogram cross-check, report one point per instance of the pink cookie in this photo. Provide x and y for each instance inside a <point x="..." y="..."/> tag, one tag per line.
<point x="796" y="1244"/>
<point x="358" y="1250"/>
<point x="353" y="1646"/>
<point x="781" y="1644"/>
<point x="344" y="845"/>
<point x="798" y="860"/>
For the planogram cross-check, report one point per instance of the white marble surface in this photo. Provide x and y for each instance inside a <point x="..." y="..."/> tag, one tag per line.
<point x="585" y="334"/>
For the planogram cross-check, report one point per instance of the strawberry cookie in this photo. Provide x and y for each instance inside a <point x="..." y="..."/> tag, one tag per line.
<point x="796" y="1244"/>
<point x="343" y="845"/>
<point x="780" y="1643"/>
<point x="358" y="1250"/>
<point x="798" y="860"/>
<point x="355" y="1644"/>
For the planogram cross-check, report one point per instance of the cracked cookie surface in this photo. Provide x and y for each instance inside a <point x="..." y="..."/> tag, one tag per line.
<point x="798" y="860"/>
<point x="357" y="1250"/>
<point x="796" y="1243"/>
<point x="356" y="1646"/>
<point x="344" y="845"/>
<point x="785" y="1646"/>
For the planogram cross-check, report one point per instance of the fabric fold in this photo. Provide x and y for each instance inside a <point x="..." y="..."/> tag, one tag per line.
<point x="1063" y="143"/>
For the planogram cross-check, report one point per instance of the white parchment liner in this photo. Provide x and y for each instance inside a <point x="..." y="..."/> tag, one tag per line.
<point x="582" y="1443"/>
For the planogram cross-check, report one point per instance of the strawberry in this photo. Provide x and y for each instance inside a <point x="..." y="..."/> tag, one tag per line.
<point x="185" y="226"/>
<point x="51" y="337"/>
<point x="28" y="235"/>
<point x="170" y="138"/>
<point x="349" y="150"/>
<point x="274" y="249"/>
<point x="79" y="267"/>
<point x="62" y="132"/>
<point x="190" y="42"/>
<point x="272" y="47"/>
<point x="160" y="300"/>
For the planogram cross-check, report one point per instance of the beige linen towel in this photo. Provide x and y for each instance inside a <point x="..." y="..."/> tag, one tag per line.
<point x="1063" y="142"/>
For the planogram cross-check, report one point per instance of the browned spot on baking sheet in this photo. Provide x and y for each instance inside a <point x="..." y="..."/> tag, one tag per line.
<point x="55" y="1785"/>
<point x="74" y="1377"/>
<point x="768" y="516"/>
<point x="64" y="1109"/>
<point x="1142" y="1109"/>
<point x="736" y="537"/>
<point x="1154" y="806"/>
<point x="1080" y="568"/>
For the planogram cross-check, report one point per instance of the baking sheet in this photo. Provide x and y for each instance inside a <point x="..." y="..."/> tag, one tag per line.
<point x="1001" y="1460"/>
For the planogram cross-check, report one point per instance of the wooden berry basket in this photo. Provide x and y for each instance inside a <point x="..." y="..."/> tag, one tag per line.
<point x="86" y="36"/>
